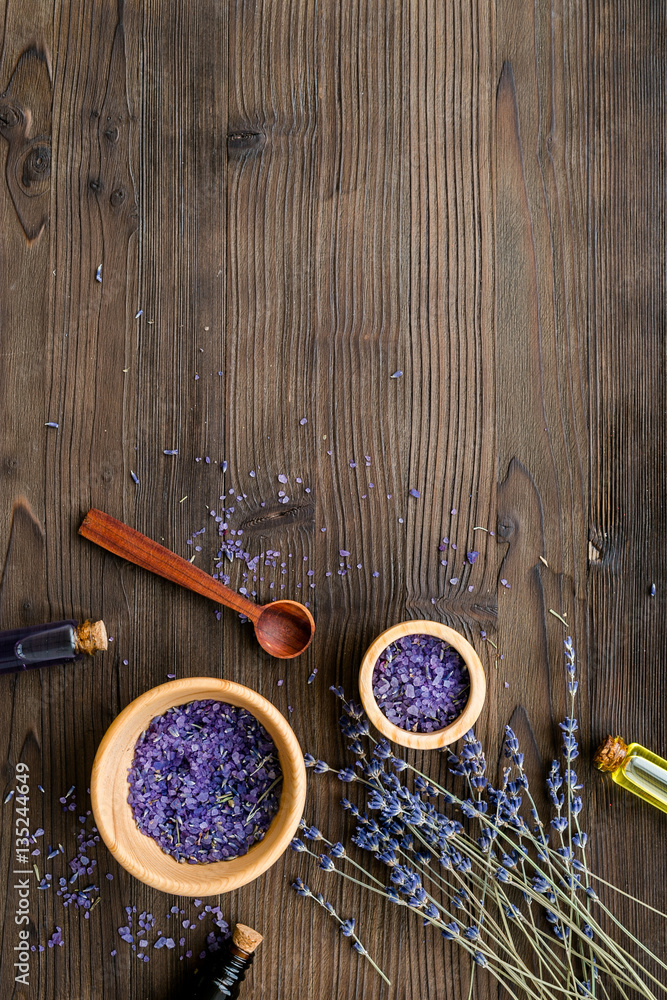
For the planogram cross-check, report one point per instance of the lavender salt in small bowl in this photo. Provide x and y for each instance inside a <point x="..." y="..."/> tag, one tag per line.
<point x="260" y="813"/>
<point x="422" y="684"/>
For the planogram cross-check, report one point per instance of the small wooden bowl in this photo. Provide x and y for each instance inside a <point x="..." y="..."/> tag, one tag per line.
<point x="461" y="724"/>
<point x="139" y="854"/>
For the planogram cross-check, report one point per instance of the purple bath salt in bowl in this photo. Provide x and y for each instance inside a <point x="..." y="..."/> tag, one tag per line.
<point x="205" y="781"/>
<point x="421" y="683"/>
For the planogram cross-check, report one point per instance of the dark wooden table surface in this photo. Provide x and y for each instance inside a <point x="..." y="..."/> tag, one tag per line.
<point x="289" y="202"/>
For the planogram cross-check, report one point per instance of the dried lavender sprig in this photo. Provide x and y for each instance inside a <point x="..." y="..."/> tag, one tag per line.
<point x="524" y="854"/>
<point x="434" y="783"/>
<point x="335" y="850"/>
<point x="347" y="926"/>
<point x="515" y="975"/>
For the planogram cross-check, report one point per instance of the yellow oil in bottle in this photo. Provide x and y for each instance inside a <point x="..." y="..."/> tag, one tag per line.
<point x="634" y="767"/>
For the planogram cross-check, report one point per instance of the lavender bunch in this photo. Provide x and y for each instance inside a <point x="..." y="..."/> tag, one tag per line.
<point x="484" y="868"/>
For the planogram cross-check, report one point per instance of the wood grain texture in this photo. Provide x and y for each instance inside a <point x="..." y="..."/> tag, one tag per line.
<point x="287" y="202"/>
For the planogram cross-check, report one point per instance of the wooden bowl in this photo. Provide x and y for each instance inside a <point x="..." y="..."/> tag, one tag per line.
<point x="139" y="854"/>
<point x="461" y="724"/>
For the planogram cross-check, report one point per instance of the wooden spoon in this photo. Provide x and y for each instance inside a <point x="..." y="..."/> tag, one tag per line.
<point x="283" y="628"/>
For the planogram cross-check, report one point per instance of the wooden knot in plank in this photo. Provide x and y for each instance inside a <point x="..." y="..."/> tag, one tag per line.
<point x="25" y="122"/>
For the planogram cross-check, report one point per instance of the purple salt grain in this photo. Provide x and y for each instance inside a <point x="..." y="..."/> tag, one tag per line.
<point x="221" y="769"/>
<point x="420" y="683"/>
<point x="472" y="557"/>
<point x="415" y="493"/>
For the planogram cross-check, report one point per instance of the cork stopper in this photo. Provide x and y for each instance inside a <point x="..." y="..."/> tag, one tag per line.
<point x="91" y="637"/>
<point x="246" y="939"/>
<point x="610" y="755"/>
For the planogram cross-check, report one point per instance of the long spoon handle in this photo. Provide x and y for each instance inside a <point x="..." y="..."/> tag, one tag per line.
<point x="123" y="541"/>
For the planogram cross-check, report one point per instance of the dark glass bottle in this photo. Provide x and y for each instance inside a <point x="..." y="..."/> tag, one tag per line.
<point x="222" y="980"/>
<point x="56" y="642"/>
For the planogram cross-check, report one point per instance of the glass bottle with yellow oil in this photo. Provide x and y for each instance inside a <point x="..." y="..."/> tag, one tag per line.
<point x="634" y="767"/>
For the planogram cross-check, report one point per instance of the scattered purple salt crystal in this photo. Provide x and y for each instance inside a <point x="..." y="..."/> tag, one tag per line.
<point x="472" y="557"/>
<point x="222" y="769"/>
<point x="453" y="510"/>
<point x="280" y="682"/>
<point x="304" y="420"/>
<point x="135" y="477"/>
<point x="454" y="580"/>
<point x="140" y="313"/>
<point x="98" y="274"/>
<point x="196" y="378"/>
<point x="353" y="465"/>
<point x="420" y="683"/>
<point x="343" y="552"/>
<point x="170" y="451"/>
<point x="252" y="473"/>
<point x="506" y="584"/>
<point x="223" y="466"/>
<point x="171" y="676"/>
<point x="312" y="676"/>
<point x="52" y="423"/>
<point x="415" y="493"/>
<point x="56" y="938"/>
<point x="397" y="374"/>
<point x="282" y="478"/>
<point x="113" y="952"/>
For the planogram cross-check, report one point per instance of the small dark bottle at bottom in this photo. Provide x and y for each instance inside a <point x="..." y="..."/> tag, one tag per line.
<point x="222" y="981"/>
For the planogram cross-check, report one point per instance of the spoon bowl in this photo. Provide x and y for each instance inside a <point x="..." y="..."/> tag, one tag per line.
<point x="283" y="628"/>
